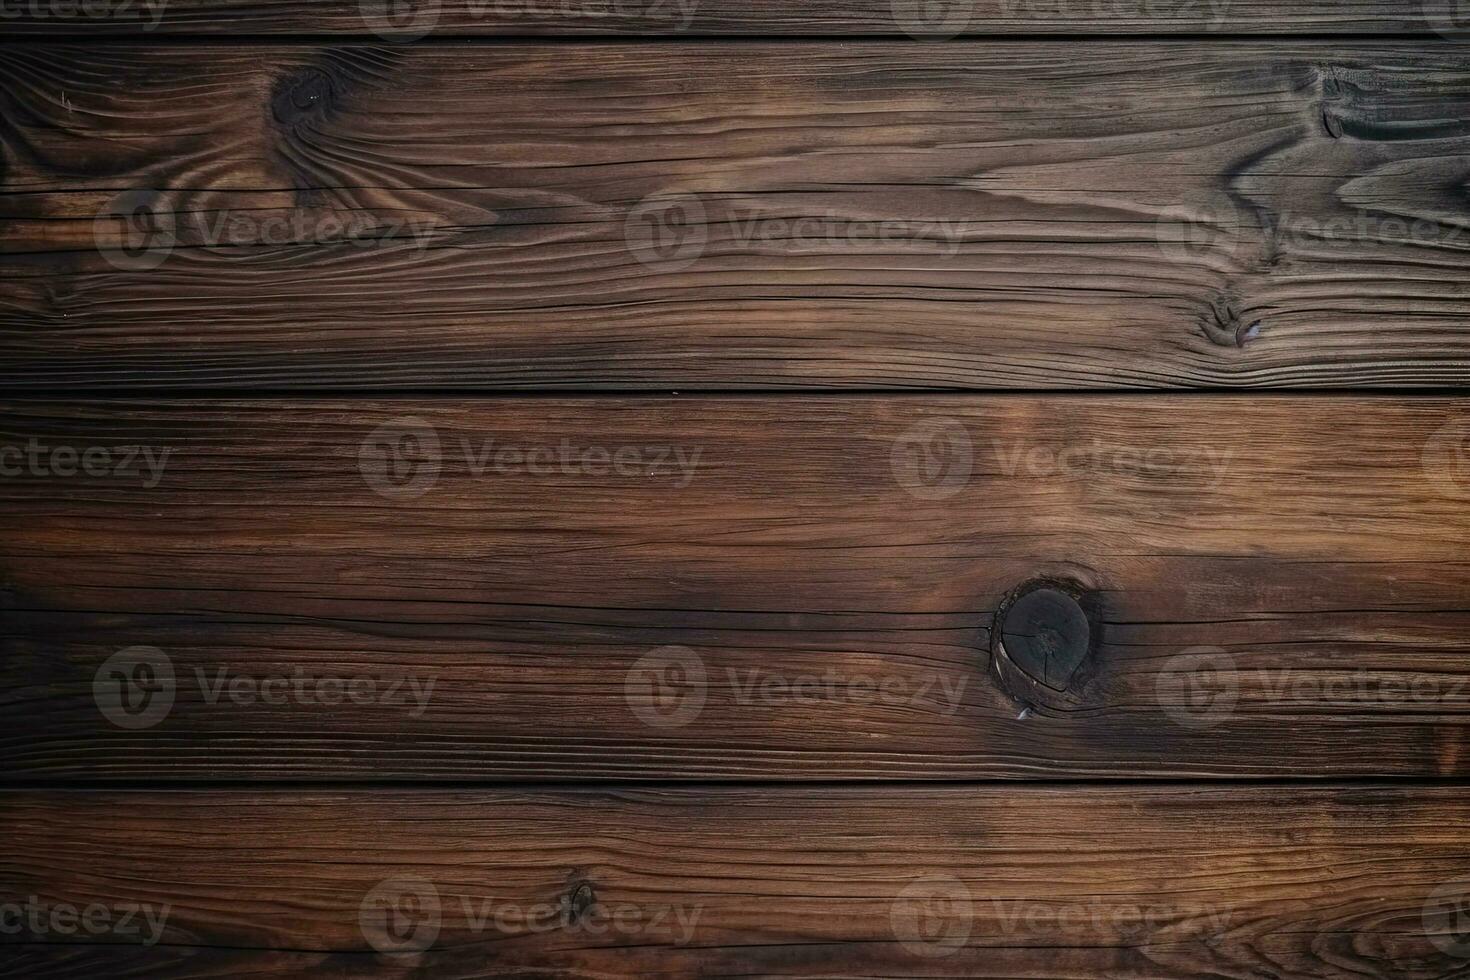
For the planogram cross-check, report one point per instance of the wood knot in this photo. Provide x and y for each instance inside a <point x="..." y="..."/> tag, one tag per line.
<point x="1329" y="82"/>
<point x="1224" y="325"/>
<point x="1043" y="646"/>
<point x="1333" y="89"/>
<point x="304" y="94"/>
<point x="1046" y="634"/>
<point x="579" y="902"/>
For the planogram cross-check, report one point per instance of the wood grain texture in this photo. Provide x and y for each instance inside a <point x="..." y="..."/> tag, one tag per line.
<point x="1279" y="882"/>
<point x="970" y="215"/>
<point x="734" y="587"/>
<point x="422" y="18"/>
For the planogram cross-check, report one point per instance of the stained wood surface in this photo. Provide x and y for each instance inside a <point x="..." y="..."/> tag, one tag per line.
<point x="1281" y="882"/>
<point x="978" y="215"/>
<point x="418" y="19"/>
<point x="736" y="587"/>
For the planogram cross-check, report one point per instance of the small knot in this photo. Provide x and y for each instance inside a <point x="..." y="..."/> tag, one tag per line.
<point x="1045" y="633"/>
<point x="302" y="94"/>
<point x="581" y="899"/>
<point x="1331" y="87"/>
<point x="1225" y="327"/>
<point x="1333" y="90"/>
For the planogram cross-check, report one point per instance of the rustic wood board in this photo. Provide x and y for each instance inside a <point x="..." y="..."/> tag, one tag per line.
<point x="734" y="587"/>
<point x="1281" y="882"/>
<point x="979" y="215"/>
<point x="427" y="18"/>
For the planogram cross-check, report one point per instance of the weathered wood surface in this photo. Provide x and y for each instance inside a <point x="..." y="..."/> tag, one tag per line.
<point x="734" y="587"/>
<point x="1131" y="883"/>
<point x="977" y="215"/>
<point x="415" y="19"/>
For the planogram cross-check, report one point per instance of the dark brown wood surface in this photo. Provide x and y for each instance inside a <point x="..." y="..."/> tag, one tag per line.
<point x="427" y="548"/>
<point x="767" y="881"/>
<point x="738" y="587"/>
<point x="417" y="19"/>
<point x="1135" y="214"/>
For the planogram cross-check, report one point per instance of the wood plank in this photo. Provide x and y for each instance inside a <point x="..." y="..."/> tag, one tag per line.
<point x="734" y="587"/>
<point x="695" y="215"/>
<point x="425" y="18"/>
<point x="1280" y="882"/>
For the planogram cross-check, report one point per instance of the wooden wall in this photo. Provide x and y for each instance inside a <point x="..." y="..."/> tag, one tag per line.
<point x="683" y="488"/>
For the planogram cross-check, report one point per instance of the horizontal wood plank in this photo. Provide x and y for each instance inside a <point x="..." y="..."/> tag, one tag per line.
<point x="417" y="19"/>
<point x="1279" y="882"/>
<point x="735" y="587"/>
<point x="688" y="215"/>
